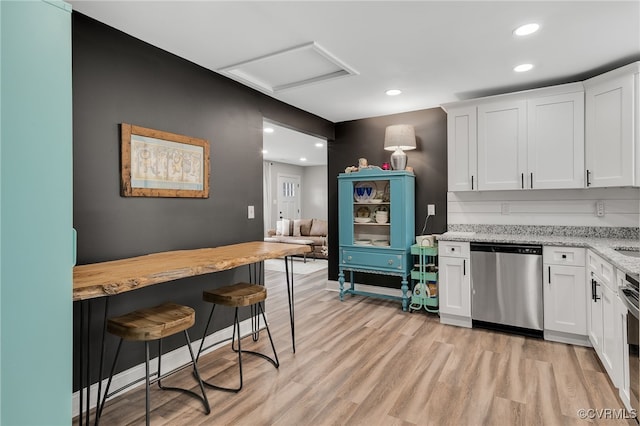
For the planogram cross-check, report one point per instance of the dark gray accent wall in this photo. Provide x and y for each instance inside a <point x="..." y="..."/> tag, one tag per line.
<point x="365" y="138"/>
<point x="116" y="79"/>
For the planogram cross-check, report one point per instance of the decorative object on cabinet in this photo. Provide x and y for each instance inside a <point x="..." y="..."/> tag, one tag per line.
<point x="372" y="247"/>
<point x="425" y="272"/>
<point x="364" y="191"/>
<point x="397" y="138"/>
<point x="162" y="164"/>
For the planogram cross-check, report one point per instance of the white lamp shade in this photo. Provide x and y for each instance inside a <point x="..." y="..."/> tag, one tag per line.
<point x="400" y="136"/>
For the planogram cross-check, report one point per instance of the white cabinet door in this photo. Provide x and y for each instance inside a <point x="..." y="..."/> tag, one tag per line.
<point x="611" y="336"/>
<point x="610" y="132"/>
<point x="502" y="145"/>
<point x="564" y="299"/>
<point x="555" y="141"/>
<point x="462" y="154"/>
<point x="454" y="286"/>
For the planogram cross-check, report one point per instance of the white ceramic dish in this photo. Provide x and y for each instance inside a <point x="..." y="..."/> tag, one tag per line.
<point x="381" y="243"/>
<point x="362" y="242"/>
<point x="364" y="192"/>
<point x="362" y="219"/>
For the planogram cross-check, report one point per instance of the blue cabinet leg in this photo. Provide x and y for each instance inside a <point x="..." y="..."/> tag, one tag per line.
<point x="404" y="288"/>
<point x="341" y="281"/>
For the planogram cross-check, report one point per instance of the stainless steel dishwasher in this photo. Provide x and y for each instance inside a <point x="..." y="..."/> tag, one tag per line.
<point x="506" y="285"/>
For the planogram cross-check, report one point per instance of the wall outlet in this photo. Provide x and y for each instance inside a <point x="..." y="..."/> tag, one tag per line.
<point x="431" y="209"/>
<point x="251" y="213"/>
<point x="504" y="208"/>
<point x="600" y="208"/>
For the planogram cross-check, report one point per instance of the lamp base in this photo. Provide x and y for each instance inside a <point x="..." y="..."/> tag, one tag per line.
<point x="398" y="160"/>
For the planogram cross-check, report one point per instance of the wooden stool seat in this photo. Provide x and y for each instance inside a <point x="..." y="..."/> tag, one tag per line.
<point x="149" y="324"/>
<point x="240" y="294"/>
<point x="152" y="323"/>
<point x="237" y="296"/>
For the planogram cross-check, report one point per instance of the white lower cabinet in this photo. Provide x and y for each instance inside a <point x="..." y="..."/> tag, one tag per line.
<point x="454" y="283"/>
<point x="565" y="295"/>
<point x="604" y="318"/>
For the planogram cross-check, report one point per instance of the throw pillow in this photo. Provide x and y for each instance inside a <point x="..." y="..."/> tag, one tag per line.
<point x="318" y="228"/>
<point x="286" y="227"/>
<point x="305" y="226"/>
<point x="296" y="227"/>
<point x="279" y="227"/>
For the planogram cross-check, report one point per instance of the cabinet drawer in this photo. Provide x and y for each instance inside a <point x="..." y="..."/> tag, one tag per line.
<point x="366" y="259"/>
<point x="454" y="249"/>
<point x="601" y="270"/>
<point x="569" y="256"/>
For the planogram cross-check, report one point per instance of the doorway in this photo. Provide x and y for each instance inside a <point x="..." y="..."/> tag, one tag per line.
<point x="294" y="175"/>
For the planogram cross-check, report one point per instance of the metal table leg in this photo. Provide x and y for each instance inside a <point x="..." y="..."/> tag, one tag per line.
<point x="290" y="298"/>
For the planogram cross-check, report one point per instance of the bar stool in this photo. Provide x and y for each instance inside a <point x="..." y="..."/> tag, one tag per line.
<point x="150" y="324"/>
<point x="238" y="295"/>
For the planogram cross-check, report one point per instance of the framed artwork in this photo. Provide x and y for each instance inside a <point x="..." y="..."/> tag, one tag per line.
<point x="162" y="164"/>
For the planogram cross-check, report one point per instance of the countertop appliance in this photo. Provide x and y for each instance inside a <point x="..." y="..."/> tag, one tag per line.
<point x="506" y="286"/>
<point x="629" y="296"/>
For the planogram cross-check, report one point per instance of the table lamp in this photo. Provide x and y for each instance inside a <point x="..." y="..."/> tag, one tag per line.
<point x="397" y="138"/>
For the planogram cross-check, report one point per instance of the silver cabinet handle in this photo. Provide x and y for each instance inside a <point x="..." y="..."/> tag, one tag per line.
<point x="349" y="258"/>
<point x="390" y="262"/>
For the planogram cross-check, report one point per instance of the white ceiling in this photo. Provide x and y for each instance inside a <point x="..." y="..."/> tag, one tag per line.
<point x="289" y="146"/>
<point x="435" y="52"/>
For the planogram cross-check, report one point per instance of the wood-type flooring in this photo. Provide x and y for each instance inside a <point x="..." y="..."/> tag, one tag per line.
<point x="366" y="362"/>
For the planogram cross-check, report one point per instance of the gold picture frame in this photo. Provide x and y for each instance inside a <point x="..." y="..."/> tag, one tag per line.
<point x="162" y="164"/>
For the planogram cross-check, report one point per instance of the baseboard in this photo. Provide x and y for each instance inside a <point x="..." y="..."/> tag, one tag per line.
<point x="333" y="285"/>
<point x="572" y="339"/>
<point x="170" y="360"/>
<point x="455" y="320"/>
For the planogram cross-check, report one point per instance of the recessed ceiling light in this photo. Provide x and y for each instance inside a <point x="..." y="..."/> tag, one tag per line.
<point x="268" y="130"/>
<point x="393" y="92"/>
<point x="319" y="145"/>
<point x="526" y="29"/>
<point x="523" y="67"/>
<point x="303" y="159"/>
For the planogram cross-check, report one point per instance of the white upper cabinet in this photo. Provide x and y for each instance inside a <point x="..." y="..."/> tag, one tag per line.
<point x="462" y="149"/>
<point x="526" y="140"/>
<point x="555" y="141"/>
<point x="611" y="118"/>
<point x="574" y="135"/>
<point x="502" y="149"/>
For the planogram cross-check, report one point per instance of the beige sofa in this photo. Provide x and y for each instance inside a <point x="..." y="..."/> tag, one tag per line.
<point x="295" y="230"/>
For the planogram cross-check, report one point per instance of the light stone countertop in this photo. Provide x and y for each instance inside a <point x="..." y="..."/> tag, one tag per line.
<point x="604" y="247"/>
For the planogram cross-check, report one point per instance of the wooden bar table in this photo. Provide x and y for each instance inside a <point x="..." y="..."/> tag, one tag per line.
<point x="99" y="280"/>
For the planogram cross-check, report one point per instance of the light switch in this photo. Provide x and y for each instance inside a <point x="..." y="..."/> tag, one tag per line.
<point x="600" y="208"/>
<point x="251" y="212"/>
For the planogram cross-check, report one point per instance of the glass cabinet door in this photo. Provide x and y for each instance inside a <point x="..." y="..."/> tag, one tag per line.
<point x="372" y="213"/>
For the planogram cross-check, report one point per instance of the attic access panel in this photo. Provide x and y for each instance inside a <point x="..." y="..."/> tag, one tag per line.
<point x="289" y="68"/>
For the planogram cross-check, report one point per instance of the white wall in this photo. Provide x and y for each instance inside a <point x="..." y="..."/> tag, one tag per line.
<point x="561" y="207"/>
<point x="315" y="195"/>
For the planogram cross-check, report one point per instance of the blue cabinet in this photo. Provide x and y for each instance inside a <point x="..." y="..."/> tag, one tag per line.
<point x="376" y="227"/>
